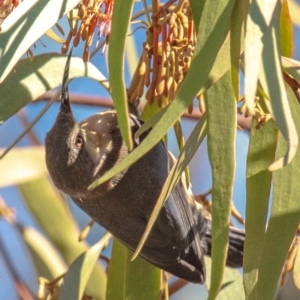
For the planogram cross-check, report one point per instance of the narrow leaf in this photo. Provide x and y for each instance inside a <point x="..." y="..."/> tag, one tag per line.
<point x="79" y="272"/>
<point x="236" y="26"/>
<point x="197" y="10"/>
<point x="262" y="60"/>
<point x="258" y="21"/>
<point x="221" y="131"/>
<point x="261" y="154"/>
<point x="31" y="79"/>
<point x="286" y="31"/>
<point x="292" y="67"/>
<point x="284" y="218"/>
<point x="131" y="280"/>
<point x="28" y="21"/>
<point x="272" y="82"/>
<point x="232" y="285"/>
<point x="119" y="27"/>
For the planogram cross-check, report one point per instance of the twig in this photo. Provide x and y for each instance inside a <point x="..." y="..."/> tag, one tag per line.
<point x="295" y="86"/>
<point x="31" y="135"/>
<point x="177" y="285"/>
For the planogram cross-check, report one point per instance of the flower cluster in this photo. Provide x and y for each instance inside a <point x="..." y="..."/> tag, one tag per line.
<point x="6" y="7"/>
<point x="167" y="53"/>
<point x="83" y="21"/>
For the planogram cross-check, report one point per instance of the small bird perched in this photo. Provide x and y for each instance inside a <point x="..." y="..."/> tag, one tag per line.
<point x="79" y="153"/>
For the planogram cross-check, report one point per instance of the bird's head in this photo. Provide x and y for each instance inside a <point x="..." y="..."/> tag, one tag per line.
<point x="78" y="153"/>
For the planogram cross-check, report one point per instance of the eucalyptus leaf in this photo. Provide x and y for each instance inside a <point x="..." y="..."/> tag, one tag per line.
<point x="262" y="61"/>
<point x="236" y="44"/>
<point x="221" y="132"/>
<point x="131" y="280"/>
<point x="261" y="154"/>
<point x="79" y="272"/>
<point x="29" y="19"/>
<point x="258" y="20"/>
<point x="232" y="284"/>
<point x="119" y="27"/>
<point x="286" y="31"/>
<point x="271" y="79"/>
<point x="292" y="67"/>
<point x="284" y="216"/>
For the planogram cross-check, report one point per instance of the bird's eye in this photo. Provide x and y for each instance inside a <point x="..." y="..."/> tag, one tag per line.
<point x="79" y="141"/>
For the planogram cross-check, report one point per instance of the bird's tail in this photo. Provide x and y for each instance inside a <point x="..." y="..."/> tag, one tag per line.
<point x="235" y="248"/>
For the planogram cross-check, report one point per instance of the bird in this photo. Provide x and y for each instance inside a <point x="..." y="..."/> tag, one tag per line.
<point x="79" y="153"/>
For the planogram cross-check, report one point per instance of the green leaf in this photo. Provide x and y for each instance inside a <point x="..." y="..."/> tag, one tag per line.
<point x="257" y="27"/>
<point x="292" y="67"/>
<point x="232" y="284"/>
<point x="262" y="60"/>
<point x="284" y="217"/>
<point x="80" y="270"/>
<point x="21" y="165"/>
<point x="131" y="280"/>
<point x="236" y="26"/>
<point x="52" y="214"/>
<point x="131" y="55"/>
<point x="261" y="154"/>
<point x="28" y="22"/>
<point x="119" y="27"/>
<point x="31" y="79"/>
<point x="197" y="10"/>
<point x="186" y="154"/>
<point x="272" y="82"/>
<point x="211" y="37"/>
<point x="46" y="258"/>
<point x="286" y="31"/>
<point x="221" y="130"/>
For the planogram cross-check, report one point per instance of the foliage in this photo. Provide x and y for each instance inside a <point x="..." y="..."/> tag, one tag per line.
<point x="192" y="50"/>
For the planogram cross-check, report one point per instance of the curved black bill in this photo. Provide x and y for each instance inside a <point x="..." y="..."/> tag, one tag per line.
<point x="65" y="100"/>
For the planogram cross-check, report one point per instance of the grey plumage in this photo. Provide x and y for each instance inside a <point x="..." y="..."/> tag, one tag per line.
<point x="79" y="153"/>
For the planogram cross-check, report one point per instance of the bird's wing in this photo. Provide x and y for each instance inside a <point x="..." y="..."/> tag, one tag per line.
<point x="193" y="224"/>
